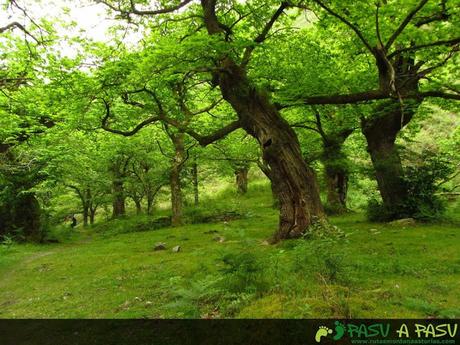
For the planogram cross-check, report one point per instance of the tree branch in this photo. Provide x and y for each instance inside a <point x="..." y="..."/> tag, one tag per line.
<point x="319" y="125"/>
<point x="346" y="99"/>
<point x="428" y="70"/>
<point x="371" y="96"/>
<point x="134" y="10"/>
<point x="14" y="25"/>
<point x="377" y="23"/>
<point x="130" y="133"/>
<point x="348" y="23"/>
<point x="443" y="14"/>
<point x="263" y="35"/>
<point x="205" y="140"/>
<point x="450" y="42"/>
<point x="208" y="108"/>
<point x="404" y="23"/>
<point x="437" y="94"/>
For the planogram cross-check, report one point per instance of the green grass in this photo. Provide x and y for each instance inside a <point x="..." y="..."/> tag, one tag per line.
<point x="109" y="271"/>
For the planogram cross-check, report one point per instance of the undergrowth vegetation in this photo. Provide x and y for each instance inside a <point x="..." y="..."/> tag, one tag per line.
<point x="226" y="268"/>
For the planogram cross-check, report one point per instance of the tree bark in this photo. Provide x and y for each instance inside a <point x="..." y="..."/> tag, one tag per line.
<point x="241" y="174"/>
<point x="381" y="132"/>
<point x="293" y="182"/>
<point x="118" y="193"/>
<point x="175" y="178"/>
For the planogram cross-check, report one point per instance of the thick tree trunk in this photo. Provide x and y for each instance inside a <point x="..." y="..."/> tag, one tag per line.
<point x="381" y="132"/>
<point x="241" y="174"/>
<point x="195" y="183"/>
<point x="118" y="193"/>
<point x="293" y="182"/>
<point x="175" y="178"/>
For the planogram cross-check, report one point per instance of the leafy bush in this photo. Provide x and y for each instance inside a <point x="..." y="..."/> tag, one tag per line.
<point x="422" y="177"/>
<point x="422" y="183"/>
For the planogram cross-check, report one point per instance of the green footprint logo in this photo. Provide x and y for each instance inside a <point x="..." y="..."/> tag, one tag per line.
<point x="339" y="330"/>
<point x="323" y="331"/>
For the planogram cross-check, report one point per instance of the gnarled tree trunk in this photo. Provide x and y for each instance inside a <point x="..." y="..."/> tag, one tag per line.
<point x="293" y="182"/>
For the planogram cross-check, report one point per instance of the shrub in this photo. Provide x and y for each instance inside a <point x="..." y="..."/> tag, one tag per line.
<point x="422" y="177"/>
<point x="422" y="183"/>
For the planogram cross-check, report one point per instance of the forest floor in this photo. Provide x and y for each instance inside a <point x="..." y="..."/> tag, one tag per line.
<point x="226" y="269"/>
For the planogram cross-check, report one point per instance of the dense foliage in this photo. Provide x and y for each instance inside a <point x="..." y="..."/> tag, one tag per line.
<point x="313" y="95"/>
